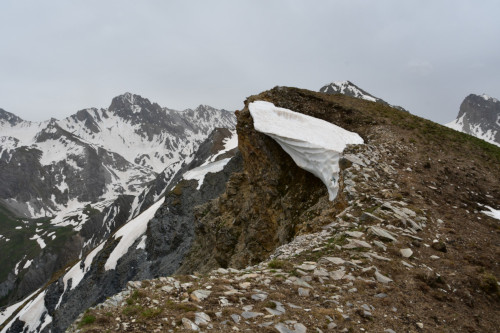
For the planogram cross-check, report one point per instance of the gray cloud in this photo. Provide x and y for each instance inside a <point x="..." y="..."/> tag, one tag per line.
<point x="61" y="56"/>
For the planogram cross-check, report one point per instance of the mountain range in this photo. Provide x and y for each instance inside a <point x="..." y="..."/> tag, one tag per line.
<point x="66" y="185"/>
<point x="319" y="211"/>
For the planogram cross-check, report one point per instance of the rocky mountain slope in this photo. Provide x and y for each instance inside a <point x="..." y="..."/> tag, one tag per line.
<point x="66" y="185"/>
<point x="479" y="115"/>
<point x="409" y="244"/>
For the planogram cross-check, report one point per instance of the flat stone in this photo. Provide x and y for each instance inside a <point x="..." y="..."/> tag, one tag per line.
<point x="420" y="325"/>
<point x="368" y="217"/>
<point x="334" y="260"/>
<point x="382" y="233"/>
<point x="379" y="257"/>
<point x="366" y="314"/>
<point x="245" y="285"/>
<point x="167" y="289"/>
<point x="366" y="307"/>
<point x="406" y="253"/>
<point x="188" y="324"/>
<point x="388" y="330"/>
<point x="338" y="274"/>
<point x="247" y="308"/>
<point x="248" y="276"/>
<point x="235" y="318"/>
<point x="259" y="297"/>
<point x="297" y="328"/>
<point x="199" y="295"/>
<point x="201" y="318"/>
<point x="302" y="283"/>
<point x="356" y="243"/>
<point x="134" y="284"/>
<point x="380" y="244"/>
<point x="249" y="314"/>
<point x="355" y="234"/>
<point x="331" y="326"/>
<point x="307" y="267"/>
<point x="320" y="272"/>
<point x="224" y="302"/>
<point x="293" y="306"/>
<point x="381" y="295"/>
<point x="274" y="312"/>
<point x="304" y="292"/>
<point x="406" y="264"/>
<point x="222" y="271"/>
<point x="382" y="278"/>
<point x="279" y="307"/>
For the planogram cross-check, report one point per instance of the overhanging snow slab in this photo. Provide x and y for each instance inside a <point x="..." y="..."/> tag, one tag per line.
<point x="314" y="144"/>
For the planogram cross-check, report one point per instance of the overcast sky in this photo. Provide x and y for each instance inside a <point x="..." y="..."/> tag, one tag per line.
<point x="57" y="57"/>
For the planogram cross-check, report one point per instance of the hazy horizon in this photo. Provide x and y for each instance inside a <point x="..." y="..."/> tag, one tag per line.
<point x="59" y="57"/>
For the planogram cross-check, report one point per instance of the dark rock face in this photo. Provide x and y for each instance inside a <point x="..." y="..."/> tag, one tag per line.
<point x="9" y="117"/>
<point x="479" y="115"/>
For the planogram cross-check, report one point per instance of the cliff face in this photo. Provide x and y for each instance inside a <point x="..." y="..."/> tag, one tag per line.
<point x="267" y="203"/>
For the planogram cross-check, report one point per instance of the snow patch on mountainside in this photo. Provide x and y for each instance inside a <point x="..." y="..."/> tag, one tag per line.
<point x="34" y="314"/>
<point x="494" y="213"/>
<point x="200" y="172"/>
<point x="489" y="98"/>
<point x="314" y="144"/>
<point x="130" y="232"/>
<point x="8" y="311"/>
<point x="230" y="143"/>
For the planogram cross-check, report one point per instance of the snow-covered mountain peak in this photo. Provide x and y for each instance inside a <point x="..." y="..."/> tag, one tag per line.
<point x="129" y="99"/>
<point x="350" y="89"/>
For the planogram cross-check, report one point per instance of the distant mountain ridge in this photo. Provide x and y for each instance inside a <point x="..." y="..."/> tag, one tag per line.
<point x="479" y="115"/>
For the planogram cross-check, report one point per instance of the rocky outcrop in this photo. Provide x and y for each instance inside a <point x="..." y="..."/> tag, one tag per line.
<point x="479" y="115"/>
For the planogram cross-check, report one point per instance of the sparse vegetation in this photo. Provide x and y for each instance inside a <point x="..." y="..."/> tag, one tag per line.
<point x="276" y="264"/>
<point x="87" y="320"/>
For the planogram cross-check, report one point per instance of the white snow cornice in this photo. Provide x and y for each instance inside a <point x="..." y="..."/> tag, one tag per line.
<point x="314" y="144"/>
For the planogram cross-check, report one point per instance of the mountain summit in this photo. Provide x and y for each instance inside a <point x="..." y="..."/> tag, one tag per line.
<point x="350" y="89"/>
<point x="479" y="115"/>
